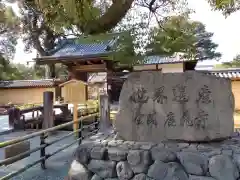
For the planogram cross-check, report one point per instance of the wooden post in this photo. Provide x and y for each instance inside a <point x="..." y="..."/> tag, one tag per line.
<point x="65" y="111"/>
<point x="104" y="111"/>
<point x="11" y="117"/>
<point x="48" y="109"/>
<point x="96" y="122"/>
<point x="80" y="132"/>
<point x="109" y="85"/>
<point x="17" y="115"/>
<point x="42" y="151"/>
<point x="75" y="116"/>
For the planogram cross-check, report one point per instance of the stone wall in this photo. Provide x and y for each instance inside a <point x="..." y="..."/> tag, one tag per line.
<point x="106" y="158"/>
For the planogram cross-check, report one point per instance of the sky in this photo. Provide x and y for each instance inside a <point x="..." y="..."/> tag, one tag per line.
<point x="226" y="32"/>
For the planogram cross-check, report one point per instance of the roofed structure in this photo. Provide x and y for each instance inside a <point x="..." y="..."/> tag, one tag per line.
<point x="157" y="59"/>
<point x="233" y="74"/>
<point x="86" y="50"/>
<point x="30" y="83"/>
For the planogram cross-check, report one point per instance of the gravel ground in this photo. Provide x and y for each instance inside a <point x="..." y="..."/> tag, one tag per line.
<point x="57" y="165"/>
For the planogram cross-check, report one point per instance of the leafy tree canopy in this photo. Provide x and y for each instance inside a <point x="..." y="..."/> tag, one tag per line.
<point x="177" y="34"/>
<point x="225" y="6"/>
<point x="235" y="63"/>
<point x="9" y="28"/>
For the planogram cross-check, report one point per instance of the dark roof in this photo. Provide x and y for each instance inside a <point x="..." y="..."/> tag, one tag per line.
<point x="226" y="73"/>
<point x="85" y="46"/>
<point x="29" y="83"/>
<point x="72" y="48"/>
<point x="162" y="60"/>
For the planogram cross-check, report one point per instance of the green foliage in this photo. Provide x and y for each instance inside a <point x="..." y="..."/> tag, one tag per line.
<point x="48" y="21"/>
<point x="124" y="49"/>
<point x="235" y="63"/>
<point x="178" y="34"/>
<point x="97" y="38"/>
<point x="7" y="70"/>
<point x="225" y="6"/>
<point x="88" y="16"/>
<point x="9" y="28"/>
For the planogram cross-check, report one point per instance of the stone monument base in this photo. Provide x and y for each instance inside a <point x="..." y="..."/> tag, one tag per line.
<point x="103" y="157"/>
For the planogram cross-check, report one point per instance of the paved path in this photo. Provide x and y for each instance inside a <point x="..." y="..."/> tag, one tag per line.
<point x="57" y="165"/>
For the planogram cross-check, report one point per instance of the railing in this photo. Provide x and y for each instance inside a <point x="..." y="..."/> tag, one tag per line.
<point x="37" y="115"/>
<point x="43" y="144"/>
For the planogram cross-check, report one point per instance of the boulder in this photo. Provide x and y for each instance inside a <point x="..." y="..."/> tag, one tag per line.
<point x="117" y="154"/>
<point x="194" y="163"/>
<point x="162" y="154"/>
<point x="78" y="172"/>
<point x="185" y="106"/>
<point x="104" y="169"/>
<point x="124" y="170"/>
<point x="140" y="177"/>
<point x="139" y="160"/>
<point x="193" y="177"/>
<point x="222" y="167"/>
<point x="172" y="170"/>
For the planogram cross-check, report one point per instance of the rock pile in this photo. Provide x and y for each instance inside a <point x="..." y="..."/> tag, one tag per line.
<point x="117" y="159"/>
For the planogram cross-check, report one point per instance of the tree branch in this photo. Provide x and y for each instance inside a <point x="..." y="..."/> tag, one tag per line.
<point x="151" y="6"/>
<point x="110" y="19"/>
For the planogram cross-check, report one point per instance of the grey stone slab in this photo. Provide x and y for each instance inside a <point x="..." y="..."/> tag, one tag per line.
<point x="176" y="106"/>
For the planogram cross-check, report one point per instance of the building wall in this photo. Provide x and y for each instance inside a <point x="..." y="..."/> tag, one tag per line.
<point x="74" y="91"/>
<point x="236" y="92"/>
<point x="23" y="95"/>
<point x="166" y="68"/>
<point x="171" y="68"/>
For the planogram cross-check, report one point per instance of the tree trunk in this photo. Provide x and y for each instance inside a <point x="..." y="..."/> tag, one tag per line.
<point x="110" y="19"/>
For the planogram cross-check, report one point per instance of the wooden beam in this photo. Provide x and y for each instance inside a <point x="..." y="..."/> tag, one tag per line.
<point x="90" y="68"/>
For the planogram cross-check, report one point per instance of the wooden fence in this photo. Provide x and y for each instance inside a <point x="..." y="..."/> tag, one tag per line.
<point x="43" y="134"/>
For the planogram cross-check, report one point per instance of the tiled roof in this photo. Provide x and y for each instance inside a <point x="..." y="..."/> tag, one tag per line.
<point x="74" y="49"/>
<point x="231" y="74"/>
<point x="29" y="83"/>
<point x="85" y="46"/>
<point x="162" y="60"/>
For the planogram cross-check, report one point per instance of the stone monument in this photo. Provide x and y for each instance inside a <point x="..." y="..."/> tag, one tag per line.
<point x="157" y="108"/>
<point x="189" y="106"/>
